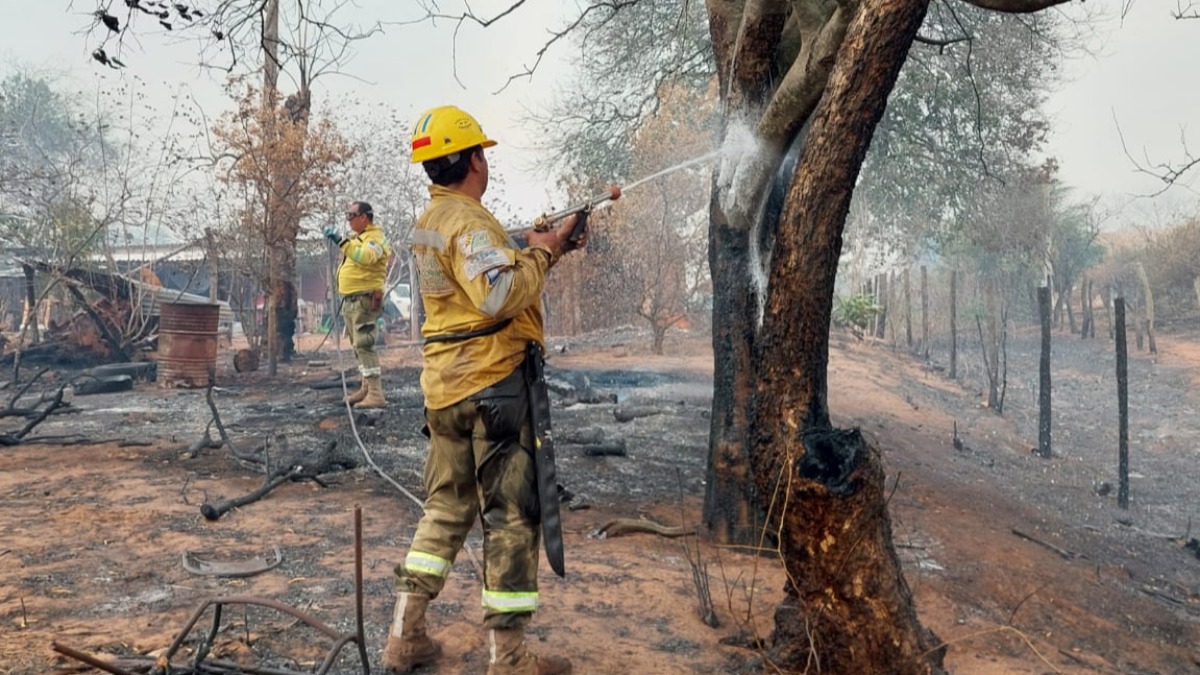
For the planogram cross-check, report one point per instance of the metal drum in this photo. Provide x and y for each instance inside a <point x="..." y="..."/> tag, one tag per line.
<point x="187" y="344"/>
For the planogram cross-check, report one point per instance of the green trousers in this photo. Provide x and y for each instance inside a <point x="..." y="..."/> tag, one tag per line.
<point x="362" y="328"/>
<point x="480" y="462"/>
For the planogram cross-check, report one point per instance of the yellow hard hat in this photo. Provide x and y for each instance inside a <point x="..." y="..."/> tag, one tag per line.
<point x="444" y="131"/>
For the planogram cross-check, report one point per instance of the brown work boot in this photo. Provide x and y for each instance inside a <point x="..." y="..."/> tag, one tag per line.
<point x="408" y="647"/>
<point x="511" y="657"/>
<point x="374" y="397"/>
<point x="359" y="395"/>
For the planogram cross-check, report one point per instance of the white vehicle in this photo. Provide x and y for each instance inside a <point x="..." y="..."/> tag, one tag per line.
<point x="398" y="308"/>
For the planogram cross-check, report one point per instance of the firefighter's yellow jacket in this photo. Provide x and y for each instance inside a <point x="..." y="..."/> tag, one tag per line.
<point x="473" y="276"/>
<point x="365" y="259"/>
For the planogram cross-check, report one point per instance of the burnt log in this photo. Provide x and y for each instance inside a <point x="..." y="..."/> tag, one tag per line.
<point x="632" y="413"/>
<point x="615" y="448"/>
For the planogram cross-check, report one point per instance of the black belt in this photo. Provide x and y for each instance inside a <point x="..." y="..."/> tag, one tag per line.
<point x="459" y="337"/>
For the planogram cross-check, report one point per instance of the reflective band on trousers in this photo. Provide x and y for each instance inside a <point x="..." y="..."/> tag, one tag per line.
<point x="501" y="601"/>
<point x="426" y="564"/>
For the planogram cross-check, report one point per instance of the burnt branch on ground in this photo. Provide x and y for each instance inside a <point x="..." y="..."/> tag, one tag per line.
<point x="18" y="437"/>
<point x="288" y="465"/>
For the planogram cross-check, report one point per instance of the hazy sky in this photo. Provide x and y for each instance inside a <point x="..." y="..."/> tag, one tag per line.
<point x="1143" y="77"/>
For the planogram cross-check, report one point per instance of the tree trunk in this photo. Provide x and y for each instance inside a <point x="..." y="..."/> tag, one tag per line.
<point x="1044" y="400"/>
<point x="881" y="285"/>
<point x="30" y="319"/>
<point x="1106" y="297"/>
<point x="953" y="324"/>
<point x="991" y="311"/>
<point x="925" y="311"/>
<point x="847" y="604"/>
<point x="1122" y="405"/>
<point x="908" y="339"/>
<point x="731" y="512"/>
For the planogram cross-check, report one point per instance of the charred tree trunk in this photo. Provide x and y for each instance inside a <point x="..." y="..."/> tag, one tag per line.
<point x="881" y="285"/>
<point x="953" y="324"/>
<point x="1066" y="291"/>
<point x="908" y="338"/>
<point x="1122" y="405"/>
<point x="287" y="302"/>
<point x="1044" y="418"/>
<point x="731" y="510"/>
<point x="925" y="311"/>
<point x="30" y="319"/>
<point x="848" y="603"/>
<point x="283" y="295"/>
<point x="992" y="351"/>
<point x="1087" y="318"/>
<point x="1106" y="297"/>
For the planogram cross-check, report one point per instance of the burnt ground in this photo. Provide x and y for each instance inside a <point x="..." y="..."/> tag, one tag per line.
<point x="91" y="536"/>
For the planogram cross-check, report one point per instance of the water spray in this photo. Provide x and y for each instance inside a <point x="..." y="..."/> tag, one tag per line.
<point x="613" y="193"/>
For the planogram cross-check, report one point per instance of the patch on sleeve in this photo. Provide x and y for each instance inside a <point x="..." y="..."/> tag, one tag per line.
<point x="475" y="242"/>
<point x="430" y="278"/>
<point x="374" y="246"/>
<point x="485" y="260"/>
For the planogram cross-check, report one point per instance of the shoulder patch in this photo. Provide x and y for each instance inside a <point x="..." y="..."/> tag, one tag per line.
<point x="475" y="241"/>
<point x="485" y="260"/>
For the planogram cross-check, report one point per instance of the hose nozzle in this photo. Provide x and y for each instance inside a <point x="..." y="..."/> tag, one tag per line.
<point x="544" y="221"/>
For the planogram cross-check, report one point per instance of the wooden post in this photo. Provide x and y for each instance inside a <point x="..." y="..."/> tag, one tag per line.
<point x="953" y="324"/>
<point x="1122" y="405"/>
<point x="907" y="309"/>
<point x="1150" y="337"/>
<point x="1044" y="418"/>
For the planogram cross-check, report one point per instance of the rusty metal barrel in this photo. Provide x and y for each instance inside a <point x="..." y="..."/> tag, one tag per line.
<point x="187" y="343"/>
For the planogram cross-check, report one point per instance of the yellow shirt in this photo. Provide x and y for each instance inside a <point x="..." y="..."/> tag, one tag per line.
<point x="472" y="276"/>
<point x="365" y="259"/>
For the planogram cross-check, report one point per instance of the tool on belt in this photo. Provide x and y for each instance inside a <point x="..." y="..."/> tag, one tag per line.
<point x="544" y="221"/>
<point x="543" y="455"/>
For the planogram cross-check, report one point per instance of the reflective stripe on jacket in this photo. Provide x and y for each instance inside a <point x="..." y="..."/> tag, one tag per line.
<point x="472" y="276"/>
<point x="365" y="259"/>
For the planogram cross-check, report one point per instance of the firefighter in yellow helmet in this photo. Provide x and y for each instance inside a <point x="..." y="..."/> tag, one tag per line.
<point x="483" y="334"/>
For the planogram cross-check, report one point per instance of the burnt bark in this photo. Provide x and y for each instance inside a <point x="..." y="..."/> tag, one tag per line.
<point x="908" y="338"/>
<point x="1044" y="416"/>
<point x="31" y="302"/>
<point x="848" y="604"/>
<point x="731" y="512"/>
<point x="953" y="324"/>
<point x="747" y="70"/>
<point x="1122" y="404"/>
